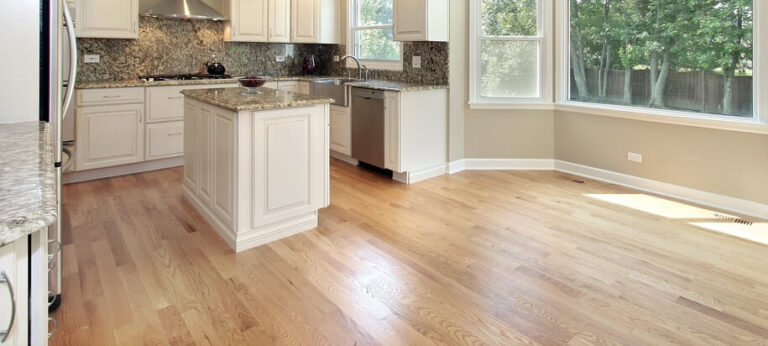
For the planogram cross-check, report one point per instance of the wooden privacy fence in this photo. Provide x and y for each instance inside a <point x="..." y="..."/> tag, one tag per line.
<point x="698" y="91"/>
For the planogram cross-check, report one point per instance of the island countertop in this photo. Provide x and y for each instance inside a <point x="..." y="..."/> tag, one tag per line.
<point x="27" y="180"/>
<point x="233" y="99"/>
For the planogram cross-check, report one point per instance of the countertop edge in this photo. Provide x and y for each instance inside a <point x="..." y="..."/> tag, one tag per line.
<point x="259" y="107"/>
<point x="47" y="213"/>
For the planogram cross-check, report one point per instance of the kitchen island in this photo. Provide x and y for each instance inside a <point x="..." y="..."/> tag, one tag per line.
<point x="256" y="166"/>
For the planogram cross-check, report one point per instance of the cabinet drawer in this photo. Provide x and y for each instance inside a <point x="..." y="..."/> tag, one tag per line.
<point x="165" y="140"/>
<point x="165" y="103"/>
<point x="109" y="96"/>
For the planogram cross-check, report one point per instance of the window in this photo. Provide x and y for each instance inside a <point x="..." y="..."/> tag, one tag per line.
<point x="371" y="34"/>
<point x="511" y="55"/>
<point x="693" y="56"/>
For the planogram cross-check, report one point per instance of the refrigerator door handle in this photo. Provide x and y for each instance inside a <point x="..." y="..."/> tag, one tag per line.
<point x="73" y="59"/>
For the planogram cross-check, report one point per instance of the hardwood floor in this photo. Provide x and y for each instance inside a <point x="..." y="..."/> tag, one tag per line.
<point x="500" y="258"/>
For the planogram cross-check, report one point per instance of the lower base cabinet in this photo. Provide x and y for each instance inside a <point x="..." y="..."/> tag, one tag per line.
<point x="109" y="136"/>
<point x="341" y="130"/>
<point x="23" y="291"/>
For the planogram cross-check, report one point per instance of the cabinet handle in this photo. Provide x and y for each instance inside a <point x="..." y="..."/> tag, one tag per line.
<point x="5" y="280"/>
<point x="55" y="326"/>
<point x="175" y="97"/>
<point x="174" y="134"/>
<point x="111" y="96"/>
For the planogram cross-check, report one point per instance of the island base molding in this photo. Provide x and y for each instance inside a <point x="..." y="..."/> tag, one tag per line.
<point x="249" y="239"/>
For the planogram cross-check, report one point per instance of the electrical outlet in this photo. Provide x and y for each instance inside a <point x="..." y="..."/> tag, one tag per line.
<point x="336" y="58"/>
<point x="416" y="62"/>
<point x="635" y="157"/>
<point x="280" y="58"/>
<point x="91" y="58"/>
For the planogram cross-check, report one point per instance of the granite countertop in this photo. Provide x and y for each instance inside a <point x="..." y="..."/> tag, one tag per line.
<point x="135" y="83"/>
<point x="27" y="180"/>
<point x="371" y="84"/>
<point x="233" y="99"/>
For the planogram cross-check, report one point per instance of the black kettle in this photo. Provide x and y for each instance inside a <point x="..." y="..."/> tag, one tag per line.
<point x="214" y="66"/>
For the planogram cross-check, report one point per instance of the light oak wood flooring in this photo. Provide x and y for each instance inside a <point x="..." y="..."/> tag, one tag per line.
<point x="497" y="258"/>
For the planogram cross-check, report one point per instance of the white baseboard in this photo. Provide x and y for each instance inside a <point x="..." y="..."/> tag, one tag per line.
<point x="737" y="205"/>
<point x="509" y="164"/>
<point x="109" y="172"/>
<point x="710" y="199"/>
<point x="346" y="158"/>
<point x="420" y="175"/>
<point x="457" y="166"/>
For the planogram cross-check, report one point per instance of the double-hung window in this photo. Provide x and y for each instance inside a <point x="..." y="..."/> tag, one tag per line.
<point x="371" y="34"/>
<point x="510" y="52"/>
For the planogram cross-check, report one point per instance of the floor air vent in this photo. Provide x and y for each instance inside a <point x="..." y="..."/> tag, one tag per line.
<point x="734" y="219"/>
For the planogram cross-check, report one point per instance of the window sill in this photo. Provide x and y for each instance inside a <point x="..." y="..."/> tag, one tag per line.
<point x="512" y="106"/>
<point x="666" y="117"/>
<point x="631" y="113"/>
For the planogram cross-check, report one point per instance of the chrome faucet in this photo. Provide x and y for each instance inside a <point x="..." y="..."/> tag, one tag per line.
<point x="359" y="70"/>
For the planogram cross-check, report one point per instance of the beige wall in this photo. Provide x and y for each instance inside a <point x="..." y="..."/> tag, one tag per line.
<point x="724" y="162"/>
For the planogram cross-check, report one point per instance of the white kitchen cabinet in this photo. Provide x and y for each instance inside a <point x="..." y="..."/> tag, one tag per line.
<point x="107" y="18"/>
<point x="279" y="21"/>
<point x="258" y="20"/>
<point x="109" y="136"/>
<point x="164" y="140"/>
<point x="315" y="21"/>
<point x="416" y="134"/>
<point x="191" y="120"/>
<point x="341" y="130"/>
<point x="166" y="103"/>
<point x="421" y="20"/>
<point x="292" y="86"/>
<point x="14" y="293"/>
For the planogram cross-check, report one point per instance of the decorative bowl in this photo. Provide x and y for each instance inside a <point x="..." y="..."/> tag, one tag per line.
<point x="251" y="84"/>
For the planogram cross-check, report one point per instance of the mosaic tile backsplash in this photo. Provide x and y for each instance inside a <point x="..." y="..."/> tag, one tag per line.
<point x="168" y="46"/>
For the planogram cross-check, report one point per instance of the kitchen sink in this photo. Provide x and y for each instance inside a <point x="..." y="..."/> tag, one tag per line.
<point x="334" y="88"/>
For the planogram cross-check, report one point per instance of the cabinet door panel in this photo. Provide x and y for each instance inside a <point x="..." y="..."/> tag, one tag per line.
<point x="14" y="293"/>
<point x="279" y="20"/>
<point x="341" y="131"/>
<point x="304" y="26"/>
<point x="392" y="153"/>
<point x="191" y="160"/>
<point x="410" y="19"/>
<point x="205" y="135"/>
<point x="249" y="20"/>
<point x="109" y="136"/>
<point x="224" y="167"/>
<point x="107" y="18"/>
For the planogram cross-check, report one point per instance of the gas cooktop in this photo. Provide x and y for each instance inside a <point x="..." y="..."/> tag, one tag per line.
<point x="189" y="76"/>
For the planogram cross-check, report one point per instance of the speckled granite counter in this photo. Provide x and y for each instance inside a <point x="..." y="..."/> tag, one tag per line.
<point x="395" y="86"/>
<point x="27" y="180"/>
<point x="138" y="83"/>
<point x="234" y="100"/>
<point x="371" y="84"/>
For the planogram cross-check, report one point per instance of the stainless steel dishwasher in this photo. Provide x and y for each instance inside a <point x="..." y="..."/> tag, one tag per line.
<point x="368" y="126"/>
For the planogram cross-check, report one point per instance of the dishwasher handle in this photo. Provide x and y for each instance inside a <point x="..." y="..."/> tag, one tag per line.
<point x="367" y="94"/>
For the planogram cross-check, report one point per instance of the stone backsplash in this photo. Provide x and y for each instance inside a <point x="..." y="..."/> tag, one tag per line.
<point x="168" y="46"/>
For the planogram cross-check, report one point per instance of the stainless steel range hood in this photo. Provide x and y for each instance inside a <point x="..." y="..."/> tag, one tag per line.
<point x="184" y="9"/>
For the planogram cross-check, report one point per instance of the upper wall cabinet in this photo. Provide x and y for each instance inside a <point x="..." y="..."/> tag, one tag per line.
<point x="107" y="18"/>
<point x="258" y="20"/>
<point x="315" y="21"/>
<point x="421" y="20"/>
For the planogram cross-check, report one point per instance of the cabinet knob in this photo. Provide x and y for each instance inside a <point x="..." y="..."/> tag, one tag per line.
<point x="7" y="281"/>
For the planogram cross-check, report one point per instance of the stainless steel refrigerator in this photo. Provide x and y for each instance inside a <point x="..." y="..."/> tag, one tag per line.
<point x="58" y="77"/>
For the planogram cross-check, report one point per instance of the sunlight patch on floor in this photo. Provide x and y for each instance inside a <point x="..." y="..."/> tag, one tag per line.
<point x="757" y="232"/>
<point x="659" y="206"/>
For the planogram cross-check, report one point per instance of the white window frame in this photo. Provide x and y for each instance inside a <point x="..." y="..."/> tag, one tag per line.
<point x="756" y="124"/>
<point x="546" y="61"/>
<point x="394" y="65"/>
